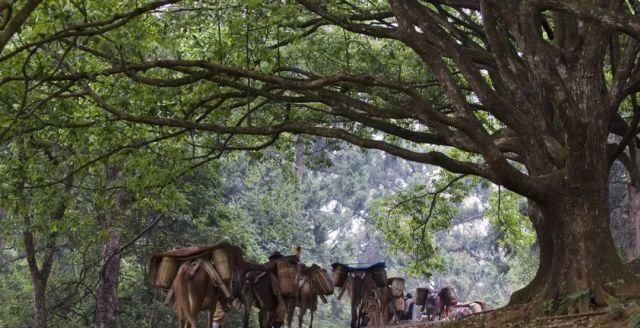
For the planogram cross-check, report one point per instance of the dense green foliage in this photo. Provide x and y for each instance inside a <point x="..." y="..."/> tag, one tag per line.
<point x="256" y="201"/>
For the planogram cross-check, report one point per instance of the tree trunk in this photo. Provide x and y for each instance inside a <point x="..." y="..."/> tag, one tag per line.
<point x="39" y="275"/>
<point x="299" y="161"/>
<point x="633" y="247"/>
<point x="107" y="300"/>
<point x="579" y="266"/>
<point x="39" y="290"/>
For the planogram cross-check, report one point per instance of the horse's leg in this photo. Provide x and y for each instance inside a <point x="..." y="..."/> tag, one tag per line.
<point x="194" y="309"/>
<point x="212" y="309"/>
<point x="273" y="323"/>
<point x="291" y="308"/>
<point x="247" y="313"/>
<point x="311" y="322"/>
<point x="301" y="312"/>
<point x="270" y="315"/>
<point x="354" y="314"/>
<point x="262" y="319"/>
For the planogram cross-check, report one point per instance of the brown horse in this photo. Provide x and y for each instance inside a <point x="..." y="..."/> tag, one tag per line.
<point x="437" y="305"/>
<point x="366" y="303"/>
<point x="260" y="290"/>
<point x="356" y="287"/>
<point x="194" y="292"/>
<point x="308" y="296"/>
<point x="392" y="300"/>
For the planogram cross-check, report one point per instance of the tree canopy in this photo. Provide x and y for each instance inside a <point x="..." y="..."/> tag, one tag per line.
<point x="394" y="76"/>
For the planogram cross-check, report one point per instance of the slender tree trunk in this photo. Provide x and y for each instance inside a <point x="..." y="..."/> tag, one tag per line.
<point x="633" y="248"/>
<point x="108" y="293"/>
<point x="40" y="273"/>
<point x="107" y="300"/>
<point x="299" y="150"/>
<point x="40" y="288"/>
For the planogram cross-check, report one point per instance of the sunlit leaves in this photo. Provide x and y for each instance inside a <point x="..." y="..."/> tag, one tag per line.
<point x="408" y="219"/>
<point x="507" y="211"/>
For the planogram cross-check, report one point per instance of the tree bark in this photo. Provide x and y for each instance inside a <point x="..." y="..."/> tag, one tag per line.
<point x="38" y="279"/>
<point x="107" y="299"/>
<point x="633" y="248"/>
<point x="40" y="273"/>
<point x="107" y="302"/>
<point x="579" y="266"/>
<point x="299" y="161"/>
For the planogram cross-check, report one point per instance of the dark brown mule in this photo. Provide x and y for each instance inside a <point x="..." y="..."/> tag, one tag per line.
<point x="260" y="290"/>
<point x="365" y="299"/>
<point x="438" y="304"/>
<point x="194" y="292"/>
<point x="356" y="287"/>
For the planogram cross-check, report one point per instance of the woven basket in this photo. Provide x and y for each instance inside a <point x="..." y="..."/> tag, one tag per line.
<point x="399" y="304"/>
<point x="222" y="263"/>
<point x="286" y="273"/>
<point x="322" y="282"/>
<point x="167" y="271"/>
<point x="379" y="276"/>
<point x="339" y="276"/>
<point x="397" y="287"/>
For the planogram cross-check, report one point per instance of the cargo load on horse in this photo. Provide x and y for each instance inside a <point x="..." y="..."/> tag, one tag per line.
<point x="314" y="284"/>
<point x="198" y="278"/>
<point x="396" y="304"/>
<point x="438" y="304"/>
<point x="364" y="284"/>
<point x="468" y="308"/>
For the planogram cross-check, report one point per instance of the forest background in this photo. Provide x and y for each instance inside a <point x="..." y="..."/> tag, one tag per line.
<point x="338" y="202"/>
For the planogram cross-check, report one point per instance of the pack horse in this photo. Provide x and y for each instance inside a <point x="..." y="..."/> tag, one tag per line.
<point x="210" y="278"/>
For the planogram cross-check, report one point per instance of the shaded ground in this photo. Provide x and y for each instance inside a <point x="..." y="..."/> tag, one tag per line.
<point x="617" y="318"/>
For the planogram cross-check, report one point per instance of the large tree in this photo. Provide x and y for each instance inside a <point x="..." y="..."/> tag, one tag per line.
<point x="536" y="95"/>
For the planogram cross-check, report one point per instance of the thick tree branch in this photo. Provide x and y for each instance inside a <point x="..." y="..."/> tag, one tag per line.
<point x="16" y="22"/>
<point x="602" y="16"/>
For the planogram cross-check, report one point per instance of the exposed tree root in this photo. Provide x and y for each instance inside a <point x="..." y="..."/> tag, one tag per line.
<point x="515" y="316"/>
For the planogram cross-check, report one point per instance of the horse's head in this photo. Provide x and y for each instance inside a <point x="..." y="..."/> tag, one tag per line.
<point x="448" y="296"/>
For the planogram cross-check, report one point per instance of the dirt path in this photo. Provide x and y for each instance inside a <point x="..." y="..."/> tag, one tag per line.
<point x="502" y="319"/>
